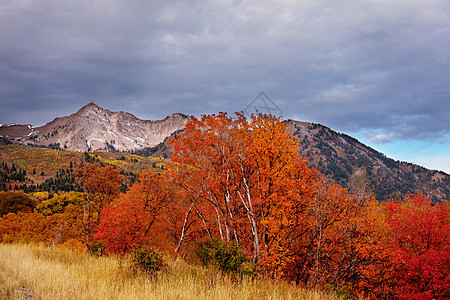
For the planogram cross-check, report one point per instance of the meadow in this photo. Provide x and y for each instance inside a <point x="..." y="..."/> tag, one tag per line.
<point x="39" y="272"/>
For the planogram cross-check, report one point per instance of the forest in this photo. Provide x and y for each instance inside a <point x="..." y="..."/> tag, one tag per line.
<point x="237" y="194"/>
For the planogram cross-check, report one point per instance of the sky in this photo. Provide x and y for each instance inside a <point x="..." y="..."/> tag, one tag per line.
<point x="378" y="70"/>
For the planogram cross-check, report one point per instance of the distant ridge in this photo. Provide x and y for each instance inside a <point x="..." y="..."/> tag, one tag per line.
<point x="363" y="170"/>
<point x="94" y="128"/>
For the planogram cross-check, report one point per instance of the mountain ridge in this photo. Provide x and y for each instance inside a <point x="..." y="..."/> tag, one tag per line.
<point x="362" y="169"/>
<point x="339" y="157"/>
<point x="93" y="128"/>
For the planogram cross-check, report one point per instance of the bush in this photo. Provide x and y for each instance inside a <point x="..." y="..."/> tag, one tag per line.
<point x="342" y="291"/>
<point x="228" y="257"/>
<point x="73" y="245"/>
<point x="97" y="248"/>
<point x="148" y="260"/>
<point x="14" y="202"/>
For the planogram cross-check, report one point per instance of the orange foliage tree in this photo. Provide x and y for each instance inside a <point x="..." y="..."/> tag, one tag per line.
<point x="144" y="215"/>
<point x="245" y="182"/>
<point x="53" y="222"/>
<point x="21" y="227"/>
<point x="35" y="227"/>
<point x="332" y="242"/>
<point x="102" y="186"/>
<point x="376" y="280"/>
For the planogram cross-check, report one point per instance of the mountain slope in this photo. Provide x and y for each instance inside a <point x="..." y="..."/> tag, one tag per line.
<point x="341" y="158"/>
<point x="94" y="128"/>
<point x="363" y="170"/>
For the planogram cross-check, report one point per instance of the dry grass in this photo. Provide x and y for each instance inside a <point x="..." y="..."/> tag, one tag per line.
<point x="36" y="272"/>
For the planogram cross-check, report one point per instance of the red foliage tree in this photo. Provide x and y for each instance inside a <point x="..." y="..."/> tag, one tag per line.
<point x="421" y="246"/>
<point x="141" y="216"/>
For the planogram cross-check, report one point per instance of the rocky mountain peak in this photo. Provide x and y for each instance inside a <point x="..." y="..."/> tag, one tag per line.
<point x="90" y="106"/>
<point x="95" y="128"/>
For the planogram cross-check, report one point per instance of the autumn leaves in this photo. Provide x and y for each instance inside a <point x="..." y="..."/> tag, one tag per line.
<point x="244" y="181"/>
<point x="241" y="181"/>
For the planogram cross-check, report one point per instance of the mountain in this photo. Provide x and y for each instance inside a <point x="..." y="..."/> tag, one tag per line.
<point x="341" y="158"/>
<point x="94" y="128"/>
<point x="363" y="170"/>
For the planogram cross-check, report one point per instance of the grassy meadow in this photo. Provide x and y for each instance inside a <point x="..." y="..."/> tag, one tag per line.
<point x="38" y="272"/>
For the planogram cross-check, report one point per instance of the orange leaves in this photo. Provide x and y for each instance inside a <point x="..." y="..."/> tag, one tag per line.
<point x="244" y="178"/>
<point x="102" y="186"/>
<point x="101" y="183"/>
<point x="35" y="227"/>
<point x="122" y="227"/>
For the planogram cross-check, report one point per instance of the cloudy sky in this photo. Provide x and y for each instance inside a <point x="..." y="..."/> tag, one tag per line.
<point x="378" y="70"/>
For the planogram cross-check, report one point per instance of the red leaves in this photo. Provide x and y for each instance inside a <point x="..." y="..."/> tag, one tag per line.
<point x="141" y="216"/>
<point x="242" y="180"/>
<point x="122" y="226"/>
<point x="421" y="245"/>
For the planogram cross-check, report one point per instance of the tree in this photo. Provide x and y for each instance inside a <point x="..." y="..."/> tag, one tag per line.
<point x="420" y="243"/>
<point x="141" y="216"/>
<point x="14" y="202"/>
<point x="21" y="227"/>
<point x="102" y="187"/>
<point x="244" y="179"/>
<point x="120" y="228"/>
<point x="58" y="203"/>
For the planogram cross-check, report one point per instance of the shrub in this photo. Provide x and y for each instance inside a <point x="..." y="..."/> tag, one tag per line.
<point x="14" y="202"/>
<point x="228" y="257"/>
<point x="73" y="245"/>
<point x="148" y="260"/>
<point x="97" y="248"/>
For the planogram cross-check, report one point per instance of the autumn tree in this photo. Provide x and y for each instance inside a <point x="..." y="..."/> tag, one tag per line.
<point x="58" y="203"/>
<point x="329" y="246"/>
<point x="420" y="242"/>
<point x="245" y="181"/>
<point x="102" y="186"/>
<point x="21" y="227"/>
<point x="14" y="202"/>
<point x="141" y="216"/>
<point x="406" y="250"/>
<point x="377" y="279"/>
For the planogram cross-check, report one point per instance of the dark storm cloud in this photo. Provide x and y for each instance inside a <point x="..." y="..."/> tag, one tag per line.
<point x="378" y="66"/>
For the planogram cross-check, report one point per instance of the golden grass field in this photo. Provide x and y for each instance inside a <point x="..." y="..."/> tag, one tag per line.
<point x="38" y="272"/>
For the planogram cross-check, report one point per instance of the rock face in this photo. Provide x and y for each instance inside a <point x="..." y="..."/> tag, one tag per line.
<point x="94" y="128"/>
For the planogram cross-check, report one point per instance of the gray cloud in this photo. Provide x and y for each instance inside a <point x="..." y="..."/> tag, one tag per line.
<point x="377" y="66"/>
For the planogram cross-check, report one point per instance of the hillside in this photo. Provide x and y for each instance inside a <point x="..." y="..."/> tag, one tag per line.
<point x="32" y="169"/>
<point x="363" y="170"/>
